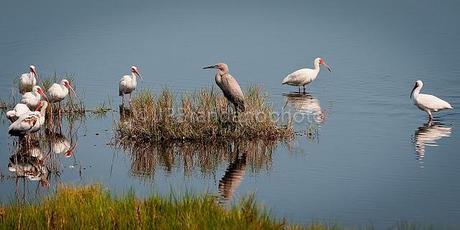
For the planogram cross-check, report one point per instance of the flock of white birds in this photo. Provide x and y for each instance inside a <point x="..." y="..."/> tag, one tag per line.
<point x="28" y="116"/>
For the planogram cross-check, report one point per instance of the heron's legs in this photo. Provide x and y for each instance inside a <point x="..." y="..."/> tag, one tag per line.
<point x="303" y="88"/>
<point x="122" y="101"/>
<point x="299" y="89"/>
<point x="130" y="99"/>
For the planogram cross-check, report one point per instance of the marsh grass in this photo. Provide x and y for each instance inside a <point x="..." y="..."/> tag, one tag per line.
<point x="74" y="107"/>
<point x="92" y="207"/>
<point x="203" y="115"/>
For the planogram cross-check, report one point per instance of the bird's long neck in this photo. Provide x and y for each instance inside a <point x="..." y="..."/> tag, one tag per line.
<point x="31" y="75"/>
<point x="416" y="91"/>
<point x="133" y="76"/>
<point x="317" y="67"/>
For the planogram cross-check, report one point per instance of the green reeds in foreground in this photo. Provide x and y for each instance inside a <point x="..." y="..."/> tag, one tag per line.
<point x="204" y="115"/>
<point x="92" y="208"/>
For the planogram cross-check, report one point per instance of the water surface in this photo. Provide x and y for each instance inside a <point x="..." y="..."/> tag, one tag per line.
<point x="365" y="155"/>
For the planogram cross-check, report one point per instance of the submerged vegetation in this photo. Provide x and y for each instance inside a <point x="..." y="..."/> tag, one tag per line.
<point x="204" y="115"/>
<point x="92" y="207"/>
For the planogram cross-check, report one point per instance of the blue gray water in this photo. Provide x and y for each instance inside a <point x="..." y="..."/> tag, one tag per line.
<point x="366" y="156"/>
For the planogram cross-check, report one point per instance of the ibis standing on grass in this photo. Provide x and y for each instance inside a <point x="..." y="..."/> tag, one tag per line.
<point x="28" y="80"/>
<point x="229" y="86"/>
<point x="305" y="76"/>
<point x="57" y="92"/>
<point x="128" y="84"/>
<point x="427" y="102"/>
<point x="31" y="99"/>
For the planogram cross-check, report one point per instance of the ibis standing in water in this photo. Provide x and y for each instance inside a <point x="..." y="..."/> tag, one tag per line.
<point x="57" y="92"/>
<point x="229" y="86"/>
<point x="30" y="122"/>
<point x="28" y="80"/>
<point x="427" y="102"/>
<point x="128" y="84"/>
<point x="303" y="77"/>
<point x="31" y="99"/>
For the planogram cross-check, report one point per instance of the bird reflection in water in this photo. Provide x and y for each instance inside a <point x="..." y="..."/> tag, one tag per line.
<point x="60" y="144"/>
<point x="428" y="135"/>
<point x="303" y="107"/>
<point x="233" y="176"/>
<point x="254" y="156"/>
<point x="28" y="163"/>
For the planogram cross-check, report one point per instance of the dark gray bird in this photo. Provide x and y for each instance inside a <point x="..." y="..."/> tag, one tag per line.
<point x="229" y="86"/>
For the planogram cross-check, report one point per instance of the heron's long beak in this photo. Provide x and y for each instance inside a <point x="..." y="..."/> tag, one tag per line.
<point x="210" y="67"/>
<point x="411" y="92"/>
<point x="328" y="67"/>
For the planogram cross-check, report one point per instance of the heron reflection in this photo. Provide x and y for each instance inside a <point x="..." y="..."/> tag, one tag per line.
<point x="428" y="135"/>
<point x="233" y="176"/>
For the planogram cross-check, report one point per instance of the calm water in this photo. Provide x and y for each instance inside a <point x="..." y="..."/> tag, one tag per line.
<point x="365" y="154"/>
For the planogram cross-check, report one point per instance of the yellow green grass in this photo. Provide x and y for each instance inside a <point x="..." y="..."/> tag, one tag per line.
<point x="93" y="208"/>
<point x="204" y="115"/>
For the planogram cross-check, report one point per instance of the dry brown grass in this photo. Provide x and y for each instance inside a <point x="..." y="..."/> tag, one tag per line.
<point x="200" y="116"/>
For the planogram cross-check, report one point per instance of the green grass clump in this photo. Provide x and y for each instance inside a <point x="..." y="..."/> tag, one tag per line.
<point x="204" y="115"/>
<point x="91" y="207"/>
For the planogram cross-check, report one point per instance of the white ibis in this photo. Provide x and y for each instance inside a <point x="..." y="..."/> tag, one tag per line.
<point x="229" y="86"/>
<point x="31" y="99"/>
<point x="427" y="102"/>
<point x="17" y="111"/>
<point x="57" y="92"/>
<point x="28" y="80"/>
<point x="305" y="76"/>
<point x="30" y="122"/>
<point x="128" y="83"/>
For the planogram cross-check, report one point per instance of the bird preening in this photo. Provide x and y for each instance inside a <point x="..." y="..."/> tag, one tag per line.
<point x="427" y="102"/>
<point x="229" y="86"/>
